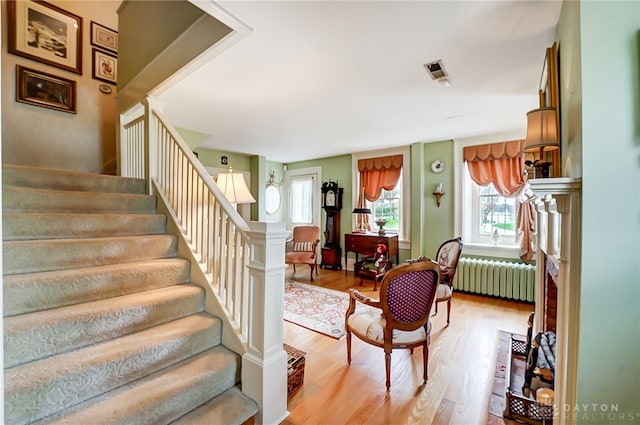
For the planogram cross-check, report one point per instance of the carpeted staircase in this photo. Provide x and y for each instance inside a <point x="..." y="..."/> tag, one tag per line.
<point x="101" y="323"/>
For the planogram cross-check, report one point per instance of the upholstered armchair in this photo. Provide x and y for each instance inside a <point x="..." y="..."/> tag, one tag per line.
<point x="304" y="248"/>
<point x="447" y="257"/>
<point x="374" y="266"/>
<point x="400" y="318"/>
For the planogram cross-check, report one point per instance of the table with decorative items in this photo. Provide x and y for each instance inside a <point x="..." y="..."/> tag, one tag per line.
<point x="365" y="243"/>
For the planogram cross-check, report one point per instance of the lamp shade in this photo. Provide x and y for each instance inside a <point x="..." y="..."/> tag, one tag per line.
<point x="234" y="188"/>
<point x="542" y="130"/>
<point x="362" y="211"/>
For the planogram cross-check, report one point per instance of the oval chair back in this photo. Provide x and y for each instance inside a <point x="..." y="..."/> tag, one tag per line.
<point x="401" y="316"/>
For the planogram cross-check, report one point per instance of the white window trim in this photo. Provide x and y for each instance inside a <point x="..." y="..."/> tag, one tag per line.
<point x="487" y="250"/>
<point x="316" y="173"/>
<point x="405" y="217"/>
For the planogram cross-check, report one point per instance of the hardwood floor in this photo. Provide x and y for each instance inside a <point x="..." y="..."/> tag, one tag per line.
<point x="461" y="366"/>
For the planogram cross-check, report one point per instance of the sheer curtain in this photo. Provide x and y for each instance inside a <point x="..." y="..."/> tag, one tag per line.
<point x="301" y="200"/>
<point x="502" y="164"/>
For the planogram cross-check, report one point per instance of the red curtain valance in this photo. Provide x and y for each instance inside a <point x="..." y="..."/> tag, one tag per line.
<point x="382" y="163"/>
<point x="501" y="150"/>
<point x="377" y="174"/>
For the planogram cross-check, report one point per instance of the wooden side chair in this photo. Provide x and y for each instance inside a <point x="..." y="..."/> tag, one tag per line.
<point x="305" y="248"/>
<point x="374" y="266"/>
<point x="401" y="316"/>
<point x="447" y="257"/>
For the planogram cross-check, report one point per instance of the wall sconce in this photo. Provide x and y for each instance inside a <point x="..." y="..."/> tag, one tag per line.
<point x="438" y="193"/>
<point x="234" y="188"/>
<point x="273" y="180"/>
<point x="542" y="135"/>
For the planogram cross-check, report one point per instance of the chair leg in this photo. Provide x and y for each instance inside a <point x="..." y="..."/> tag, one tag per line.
<point x="387" y="365"/>
<point x="311" y="266"/>
<point x="425" y="359"/>
<point x="348" y="346"/>
<point x="448" y="310"/>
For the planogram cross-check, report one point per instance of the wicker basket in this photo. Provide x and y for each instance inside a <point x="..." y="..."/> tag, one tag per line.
<point x="518" y="407"/>
<point x="295" y="369"/>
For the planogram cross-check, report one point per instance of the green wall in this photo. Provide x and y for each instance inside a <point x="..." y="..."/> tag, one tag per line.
<point x="608" y="64"/>
<point x="212" y="158"/>
<point x="192" y="138"/>
<point x="338" y="169"/>
<point x="438" y="221"/>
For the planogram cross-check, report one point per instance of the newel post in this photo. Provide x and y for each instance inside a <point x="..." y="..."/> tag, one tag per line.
<point x="264" y="365"/>
<point x="151" y="139"/>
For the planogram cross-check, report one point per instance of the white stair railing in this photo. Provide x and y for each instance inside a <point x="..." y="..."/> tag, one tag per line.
<point x="245" y="273"/>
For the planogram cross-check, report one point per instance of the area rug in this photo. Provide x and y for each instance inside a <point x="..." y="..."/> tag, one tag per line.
<point x="497" y="401"/>
<point x="316" y="308"/>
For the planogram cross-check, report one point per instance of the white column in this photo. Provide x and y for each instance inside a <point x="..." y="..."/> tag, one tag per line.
<point x="541" y="240"/>
<point x="264" y="365"/>
<point x="151" y="140"/>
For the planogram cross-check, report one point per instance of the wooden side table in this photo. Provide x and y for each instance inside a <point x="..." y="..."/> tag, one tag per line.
<point x="365" y="243"/>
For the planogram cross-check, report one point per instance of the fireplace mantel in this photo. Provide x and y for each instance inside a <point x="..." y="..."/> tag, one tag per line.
<point x="558" y="236"/>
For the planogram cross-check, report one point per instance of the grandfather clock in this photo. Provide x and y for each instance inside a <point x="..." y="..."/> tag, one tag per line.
<point x="332" y="204"/>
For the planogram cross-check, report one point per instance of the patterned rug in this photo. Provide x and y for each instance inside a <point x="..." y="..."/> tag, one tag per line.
<point x="316" y="308"/>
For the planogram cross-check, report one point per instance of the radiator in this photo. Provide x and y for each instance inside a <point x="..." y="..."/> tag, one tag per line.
<point x="503" y="279"/>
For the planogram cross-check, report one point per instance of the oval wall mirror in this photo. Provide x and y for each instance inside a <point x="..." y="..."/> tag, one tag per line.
<point x="272" y="199"/>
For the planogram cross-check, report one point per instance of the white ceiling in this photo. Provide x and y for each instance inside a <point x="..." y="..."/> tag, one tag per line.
<point x="318" y="79"/>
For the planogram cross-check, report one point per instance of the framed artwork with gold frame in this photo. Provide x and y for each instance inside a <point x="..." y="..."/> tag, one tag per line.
<point x="549" y="93"/>
<point x="46" y="90"/>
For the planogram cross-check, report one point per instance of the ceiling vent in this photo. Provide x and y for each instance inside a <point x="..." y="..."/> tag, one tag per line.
<point x="437" y="72"/>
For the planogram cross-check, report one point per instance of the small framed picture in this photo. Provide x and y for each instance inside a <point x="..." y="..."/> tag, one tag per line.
<point x="105" y="66"/>
<point x="45" y="90"/>
<point x="45" y="33"/>
<point x="104" y="38"/>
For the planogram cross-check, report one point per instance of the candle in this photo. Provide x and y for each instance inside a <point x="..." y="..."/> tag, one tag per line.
<point x="545" y="396"/>
<point x="439" y="188"/>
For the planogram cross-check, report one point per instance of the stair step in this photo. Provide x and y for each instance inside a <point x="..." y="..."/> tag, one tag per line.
<point x="25" y="293"/>
<point x="58" y="254"/>
<point x="48" y="178"/>
<point x="36" y="390"/>
<point x="231" y="407"/>
<point x="34" y="336"/>
<point x="56" y="201"/>
<point x="164" y="396"/>
<point x="25" y="226"/>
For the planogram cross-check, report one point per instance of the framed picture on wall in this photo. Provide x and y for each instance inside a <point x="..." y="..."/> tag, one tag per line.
<point x="103" y="37"/>
<point x="45" y="33"/>
<point x="105" y="66"/>
<point x="45" y="90"/>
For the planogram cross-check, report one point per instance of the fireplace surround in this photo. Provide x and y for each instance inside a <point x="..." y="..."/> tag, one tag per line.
<point x="558" y="277"/>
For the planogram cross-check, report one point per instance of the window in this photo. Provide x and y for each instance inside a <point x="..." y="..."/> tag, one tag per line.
<point x="389" y="207"/>
<point x="391" y="204"/>
<point x="303" y="200"/>
<point x="488" y="218"/>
